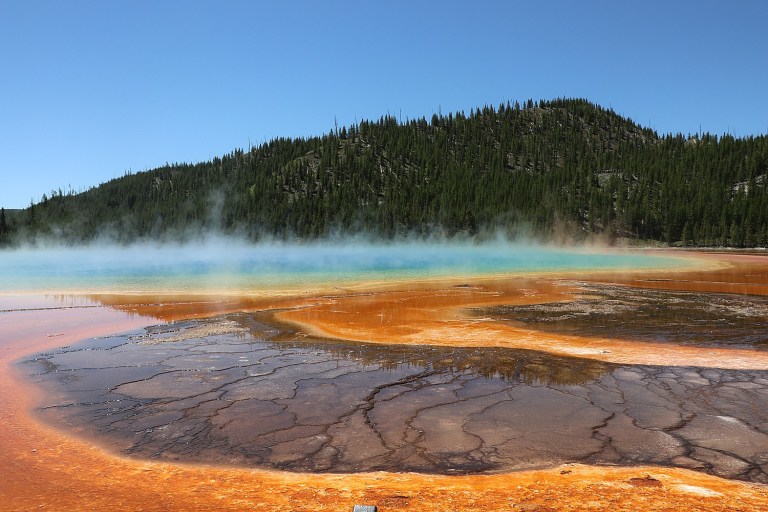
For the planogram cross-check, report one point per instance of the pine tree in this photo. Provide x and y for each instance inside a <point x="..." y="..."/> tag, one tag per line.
<point x="4" y="228"/>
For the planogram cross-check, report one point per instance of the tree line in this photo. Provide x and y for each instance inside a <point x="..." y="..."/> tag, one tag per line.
<point x="563" y="167"/>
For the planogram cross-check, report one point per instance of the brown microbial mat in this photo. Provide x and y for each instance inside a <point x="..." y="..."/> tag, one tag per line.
<point x="243" y="390"/>
<point x="645" y="314"/>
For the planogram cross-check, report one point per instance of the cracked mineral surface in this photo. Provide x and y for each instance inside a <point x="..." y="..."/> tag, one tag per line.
<point x="244" y="390"/>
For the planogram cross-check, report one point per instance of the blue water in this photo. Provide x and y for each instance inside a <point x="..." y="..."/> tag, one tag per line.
<point x="233" y="266"/>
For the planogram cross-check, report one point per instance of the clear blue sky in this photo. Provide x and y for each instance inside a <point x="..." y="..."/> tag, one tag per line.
<point x="90" y="89"/>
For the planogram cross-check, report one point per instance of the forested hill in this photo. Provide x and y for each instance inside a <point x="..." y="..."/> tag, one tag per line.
<point x="548" y="168"/>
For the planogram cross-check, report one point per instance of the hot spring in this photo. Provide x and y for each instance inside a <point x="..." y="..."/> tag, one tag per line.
<point x="352" y="368"/>
<point x="238" y="267"/>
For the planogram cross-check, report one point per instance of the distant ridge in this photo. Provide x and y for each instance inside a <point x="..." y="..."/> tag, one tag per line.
<point x="559" y="169"/>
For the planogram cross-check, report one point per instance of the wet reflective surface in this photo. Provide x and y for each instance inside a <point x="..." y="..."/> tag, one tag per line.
<point x="241" y="390"/>
<point x="620" y="312"/>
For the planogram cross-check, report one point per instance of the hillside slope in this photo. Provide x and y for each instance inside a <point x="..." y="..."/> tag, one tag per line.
<point x="549" y="168"/>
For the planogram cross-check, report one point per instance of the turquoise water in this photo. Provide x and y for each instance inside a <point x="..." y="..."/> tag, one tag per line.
<point x="240" y="267"/>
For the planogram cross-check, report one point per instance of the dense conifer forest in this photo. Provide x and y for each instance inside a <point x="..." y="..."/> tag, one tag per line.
<point x="544" y="169"/>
